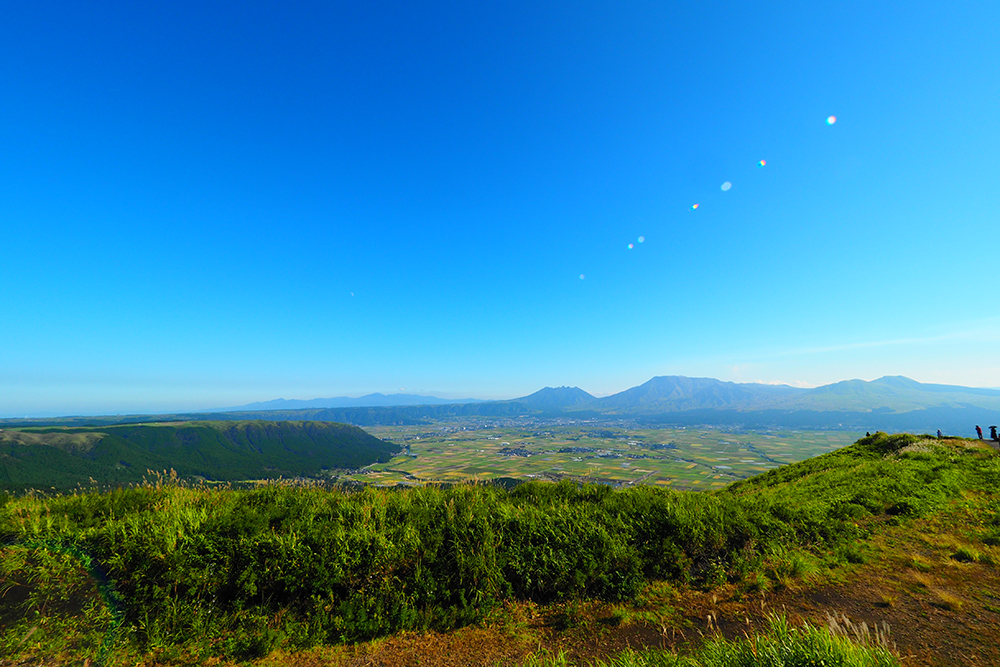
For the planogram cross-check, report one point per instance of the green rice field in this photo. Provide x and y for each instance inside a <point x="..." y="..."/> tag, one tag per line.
<point x="619" y="453"/>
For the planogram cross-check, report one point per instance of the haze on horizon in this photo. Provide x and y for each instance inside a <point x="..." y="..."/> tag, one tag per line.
<point x="205" y="206"/>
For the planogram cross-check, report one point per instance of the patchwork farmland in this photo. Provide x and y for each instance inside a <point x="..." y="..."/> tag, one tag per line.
<point x="618" y="453"/>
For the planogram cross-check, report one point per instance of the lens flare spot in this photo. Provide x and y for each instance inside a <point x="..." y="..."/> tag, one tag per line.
<point x="695" y="207"/>
<point x="726" y="186"/>
<point x="582" y="276"/>
<point x="630" y="246"/>
<point x="642" y="239"/>
<point x="762" y="163"/>
<point x="830" y="120"/>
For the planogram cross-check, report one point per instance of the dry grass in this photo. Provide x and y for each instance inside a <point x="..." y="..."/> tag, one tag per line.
<point x="841" y="626"/>
<point x="966" y="554"/>
<point x="921" y="447"/>
<point x="887" y="600"/>
<point x="946" y="600"/>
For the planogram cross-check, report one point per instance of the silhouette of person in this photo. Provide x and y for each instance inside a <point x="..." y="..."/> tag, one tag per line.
<point x="939" y="433"/>
<point x="979" y="432"/>
<point x="993" y="433"/>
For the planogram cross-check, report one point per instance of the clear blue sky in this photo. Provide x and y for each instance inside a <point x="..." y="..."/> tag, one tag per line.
<point x="207" y="204"/>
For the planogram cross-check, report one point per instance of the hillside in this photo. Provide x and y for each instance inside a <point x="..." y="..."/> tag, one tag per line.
<point x="903" y="526"/>
<point x="61" y="458"/>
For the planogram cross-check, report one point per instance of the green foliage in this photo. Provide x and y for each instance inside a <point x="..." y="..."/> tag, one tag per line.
<point x="54" y="594"/>
<point x="546" y="658"/>
<point x="222" y="451"/>
<point x="238" y="573"/>
<point x="781" y="645"/>
<point x="785" y="646"/>
<point x="966" y="554"/>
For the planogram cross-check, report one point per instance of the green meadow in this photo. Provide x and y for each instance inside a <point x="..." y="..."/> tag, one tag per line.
<point x="616" y="453"/>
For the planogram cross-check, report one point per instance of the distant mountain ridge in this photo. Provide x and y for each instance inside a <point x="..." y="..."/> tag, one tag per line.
<point x="677" y="393"/>
<point x="891" y="403"/>
<point x="556" y="398"/>
<point x="375" y="400"/>
<point x="660" y="395"/>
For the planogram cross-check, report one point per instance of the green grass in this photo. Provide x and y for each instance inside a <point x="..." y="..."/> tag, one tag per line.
<point x="781" y="645"/>
<point x="239" y="572"/>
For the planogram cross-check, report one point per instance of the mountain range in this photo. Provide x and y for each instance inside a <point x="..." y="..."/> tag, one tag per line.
<point x="375" y="400"/>
<point x="676" y="393"/>
<point x="892" y="404"/>
<point x="891" y="393"/>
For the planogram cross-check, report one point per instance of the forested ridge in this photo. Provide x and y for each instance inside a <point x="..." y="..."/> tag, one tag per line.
<point x="62" y="459"/>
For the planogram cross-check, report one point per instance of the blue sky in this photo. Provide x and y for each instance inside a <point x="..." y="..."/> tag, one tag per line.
<point x="207" y="204"/>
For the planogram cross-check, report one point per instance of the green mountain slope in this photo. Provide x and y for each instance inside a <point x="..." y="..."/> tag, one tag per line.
<point x="62" y="458"/>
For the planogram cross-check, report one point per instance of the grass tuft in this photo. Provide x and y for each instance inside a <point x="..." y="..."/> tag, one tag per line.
<point x="841" y="643"/>
<point x="945" y="600"/>
<point x="966" y="554"/>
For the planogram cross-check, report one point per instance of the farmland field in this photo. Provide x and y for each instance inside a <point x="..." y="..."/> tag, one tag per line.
<point x="615" y="452"/>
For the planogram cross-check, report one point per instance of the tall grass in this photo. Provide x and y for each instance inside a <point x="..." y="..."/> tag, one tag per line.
<point x="239" y="572"/>
<point x="781" y="645"/>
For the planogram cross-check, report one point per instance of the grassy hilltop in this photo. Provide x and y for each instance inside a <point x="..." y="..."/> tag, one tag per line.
<point x="179" y="575"/>
<point x="61" y="458"/>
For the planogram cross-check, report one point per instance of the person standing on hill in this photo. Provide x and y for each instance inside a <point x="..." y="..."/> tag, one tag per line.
<point x="993" y="433"/>
<point x="979" y="432"/>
